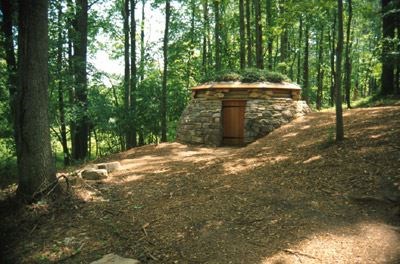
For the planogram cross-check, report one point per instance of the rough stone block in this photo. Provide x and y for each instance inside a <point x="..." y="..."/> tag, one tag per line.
<point x="94" y="174"/>
<point x="110" y="166"/>
<point x="115" y="259"/>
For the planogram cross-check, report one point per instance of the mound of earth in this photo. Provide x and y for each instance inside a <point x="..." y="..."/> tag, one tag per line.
<point x="293" y="196"/>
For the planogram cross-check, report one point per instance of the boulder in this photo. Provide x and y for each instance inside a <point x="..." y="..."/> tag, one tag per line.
<point x="109" y="166"/>
<point x="94" y="174"/>
<point x="115" y="259"/>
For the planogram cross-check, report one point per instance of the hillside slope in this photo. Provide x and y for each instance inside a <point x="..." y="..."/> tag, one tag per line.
<point x="291" y="197"/>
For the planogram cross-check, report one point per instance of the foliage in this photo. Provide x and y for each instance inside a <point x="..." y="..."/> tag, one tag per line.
<point x="247" y="76"/>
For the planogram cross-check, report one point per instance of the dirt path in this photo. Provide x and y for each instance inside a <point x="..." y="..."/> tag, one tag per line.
<point x="291" y="197"/>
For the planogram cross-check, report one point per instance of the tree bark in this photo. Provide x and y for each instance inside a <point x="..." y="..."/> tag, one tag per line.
<point x="8" y="44"/>
<point x="249" y="35"/>
<point x="269" y="33"/>
<point x="127" y="76"/>
<point x="131" y="140"/>
<point x="81" y="133"/>
<point x="320" y="69"/>
<point x="332" y="41"/>
<point x="388" y="26"/>
<point x="299" y="80"/>
<point x="36" y="168"/>
<point x="165" y="73"/>
<point x="217" y="33"/>
<point x="306" y="88"/>
<point x="259" y="50"/>
<point x="142" y="51"/>
<point x="61" y="104"/>
<point x="348" y="63"/>
<point x="338" y="79"/>
<point x="206" y="26"/>
<point x="242" y="35"/>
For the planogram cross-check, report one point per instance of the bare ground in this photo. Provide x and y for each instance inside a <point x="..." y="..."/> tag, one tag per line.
<point x="293" y="196"/>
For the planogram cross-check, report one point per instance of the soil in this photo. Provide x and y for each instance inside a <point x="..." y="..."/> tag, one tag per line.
<point x="294" y="196"/>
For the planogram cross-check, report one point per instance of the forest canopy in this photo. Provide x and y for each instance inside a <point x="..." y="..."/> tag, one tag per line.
<point x="166" y="47"/>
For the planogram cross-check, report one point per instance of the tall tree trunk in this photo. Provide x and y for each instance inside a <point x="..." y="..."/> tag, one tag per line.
<point x="80" y="139"/>
<point x="127" y="76"/>
<point x="206" y="26"/>
<point x="131" y="140"/>
<point x="284" y="35"/>
<point x="306" y="88"/>
<point x="217" y="33"/>
<point x="348" y="64"/>
<point x="191" y="46"/>
<point x="338" y="81"/>
<point x="249" y="35"/>
<point x="269" y="33"/>
<point x="320" y="69"/>
<point x="8" y="44"/>
<point x="299" y="80"/>
<point x="388" y="26"/>
<point x="242" y="35"/>
<point x="259" y="50"/>
<point x="141" y="68"/>
<point x="61" y="104"/>
<point x="36" y="168"/>
<point x="332" y="42"/>
<point x="165" y="73"/>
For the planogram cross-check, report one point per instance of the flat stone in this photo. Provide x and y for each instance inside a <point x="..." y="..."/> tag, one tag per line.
<point x="94" y="174"/>
<point x="115" y="259"/>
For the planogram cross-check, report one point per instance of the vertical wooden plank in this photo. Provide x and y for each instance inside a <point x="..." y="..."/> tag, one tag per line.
<point x="233" y="121"/>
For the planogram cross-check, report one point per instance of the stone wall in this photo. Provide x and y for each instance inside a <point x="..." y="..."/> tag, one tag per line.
<point x="201" y="122"/>
<point x="263" y="116"/>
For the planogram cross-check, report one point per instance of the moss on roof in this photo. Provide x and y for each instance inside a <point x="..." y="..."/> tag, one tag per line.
<point x="247" y="76"/>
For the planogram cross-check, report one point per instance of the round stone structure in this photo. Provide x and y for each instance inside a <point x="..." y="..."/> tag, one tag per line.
<point x="236" y="113"/>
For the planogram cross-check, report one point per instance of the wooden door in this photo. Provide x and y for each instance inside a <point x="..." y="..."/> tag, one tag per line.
<point x="233" y="121"/>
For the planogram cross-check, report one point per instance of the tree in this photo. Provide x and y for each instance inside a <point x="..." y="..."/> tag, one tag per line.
<point x="259" y="43"/>
<point x="269" y="32"/>
<point x="306" y="93"/>
<point x="242" y="37"/>
<point x="80" y="41"/>
<point x="165" y="73"/>
<point x="388" y="29"/>
<point x="36" y="168"/>
<point x="131" y="140"/>
<point x="347" y="64"/>
<point x="249" y="35"/>
<point x="127" y="76"/>
<point x="338" y="79"/>
<point x="217" y="34"/>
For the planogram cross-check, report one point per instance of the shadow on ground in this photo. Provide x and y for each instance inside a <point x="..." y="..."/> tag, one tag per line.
<point x="291" y="197"/>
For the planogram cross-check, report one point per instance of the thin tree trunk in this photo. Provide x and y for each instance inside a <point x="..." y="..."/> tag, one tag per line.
<point x="217" y="37"/>
<point x="348" y="64"/>
<point x="249" y="35"/>
<point x="165" y="73"/>
<point x="132" y="141"/>
<point x="8" y="44"/>
<point x="269" y="32"/>
<point x="320" y="69"/>
<point x="284" y="35"/>
<point x="127" y="76"/>
<point x="259" y="50"/>
<point x="36" y="168"/>
<point x="332" y="41"/>
<point x="306" y="88"/>
<point x="338" y="81"/>
<point x="141" y="68"/>
<point x="242" y="35"/>
<point x="61" y="105"/>
<point x="206" y="26"/>
<point x="299" y="50"/>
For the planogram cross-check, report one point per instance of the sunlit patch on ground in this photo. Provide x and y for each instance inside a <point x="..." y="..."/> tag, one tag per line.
<point x="360" y="243"/>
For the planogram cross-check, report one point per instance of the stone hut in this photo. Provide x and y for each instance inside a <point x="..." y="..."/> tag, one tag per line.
<point x="235" y="113"/>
